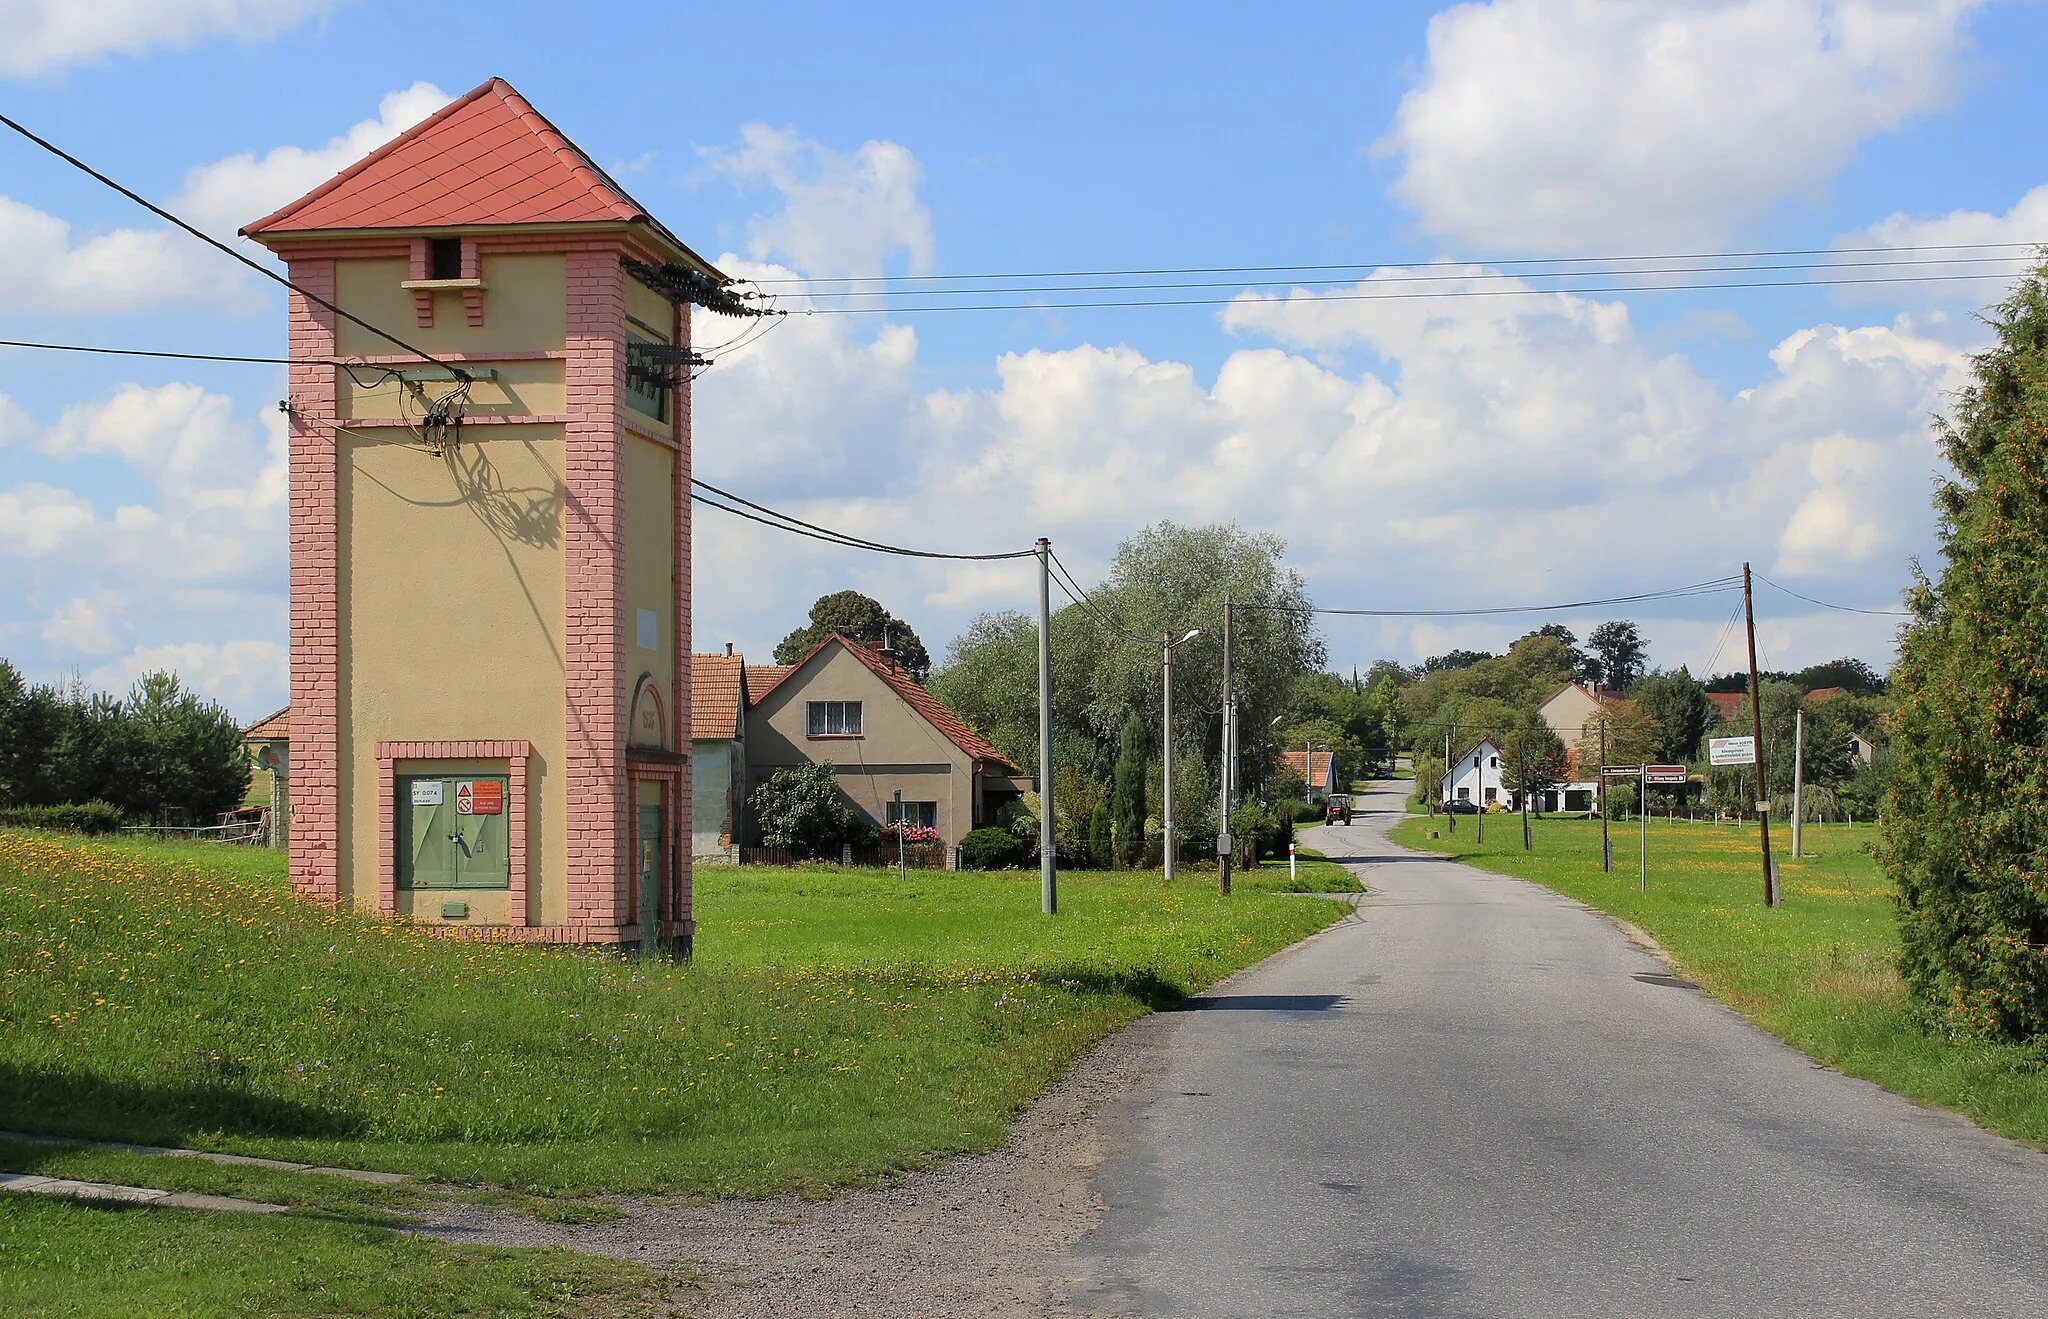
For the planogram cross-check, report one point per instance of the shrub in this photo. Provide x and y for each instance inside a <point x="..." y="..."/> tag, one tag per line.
<point x="95" y="817"/>
<point x="802" y="809"/>
<point x="990" y="849"/>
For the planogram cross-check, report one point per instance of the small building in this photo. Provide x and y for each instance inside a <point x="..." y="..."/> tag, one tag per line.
<point x="268" y="742"/>
<point x="1727" y="706"/>
<point x="1570" y="711"/>
<point x="490" y="535"/>
<point x="1476" y="777"/>
<point x="1318" y="769"/>
<point x="718" y="752"/>
<point x="851" y="706"/>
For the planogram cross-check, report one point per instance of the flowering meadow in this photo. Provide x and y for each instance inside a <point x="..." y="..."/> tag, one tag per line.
<point x="835" y="1026"/>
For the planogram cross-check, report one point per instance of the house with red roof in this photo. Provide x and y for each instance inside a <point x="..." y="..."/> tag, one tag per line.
<point x="851" y="706"/>
<point x="718" y="754"/>
<point x="489" y="421"/>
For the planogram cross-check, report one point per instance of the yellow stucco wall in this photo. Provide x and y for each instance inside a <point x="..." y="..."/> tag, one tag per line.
<point x="451" y="609"/>
<point x="650" y="567"/>
<point x="525" y="307"/>
<point x="898" y="749"/>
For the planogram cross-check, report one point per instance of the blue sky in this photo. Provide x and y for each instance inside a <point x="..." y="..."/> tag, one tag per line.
<point x="1432" y="453"/>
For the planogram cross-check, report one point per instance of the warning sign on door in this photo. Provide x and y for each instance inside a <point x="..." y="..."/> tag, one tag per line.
<point x="479" y="797"/>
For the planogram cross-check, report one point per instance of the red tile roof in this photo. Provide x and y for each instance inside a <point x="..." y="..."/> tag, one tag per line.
<point x="1727" y="703"/>
<point x="270" y="728"/>
<point x="762" y="678"/>
<point x="1296" y="763"/>
<point x="487" y="159"/>
<point x="1822" y="693"/>
<point x="718" y="686"/>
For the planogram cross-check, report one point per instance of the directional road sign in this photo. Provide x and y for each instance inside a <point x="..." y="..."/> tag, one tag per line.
<point x="1664" y="774"/>
<point x="1621" y="771"/>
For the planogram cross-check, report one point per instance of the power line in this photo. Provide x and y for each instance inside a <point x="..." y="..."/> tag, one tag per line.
<point x="784" y="522"/>
<point x="900" y="310"/>
<point x="1464" y="273"/>
<point x="1085" y="600"/>
<point x="1846" y="609"/>
<point x="1713" y="587"/>
<point x="215" y="243"/>
<point x="183" y="357"/>
<point x="1406" y="265"/>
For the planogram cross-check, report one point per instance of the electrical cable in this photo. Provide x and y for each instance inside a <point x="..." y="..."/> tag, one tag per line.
<point x="817" y="532"/>
<point x="213" y="242"/>
<point x="1846" y="609"/>
<point x="1393" y="297"/>
<point x="1085" y="600"/>
<point x="183" y="357"/>
<point x="1727" y="630"/>
<point x="1713" y="587"/>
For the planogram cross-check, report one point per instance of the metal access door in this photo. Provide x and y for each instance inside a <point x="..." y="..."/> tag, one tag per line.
<point x="451" y="832"/>
<point x="651" y="870"/>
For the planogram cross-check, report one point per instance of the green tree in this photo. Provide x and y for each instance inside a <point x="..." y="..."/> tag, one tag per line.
<point x="1127" y="791"/>
<point x="1966" y="816"/>
<point x="990" y="679"/>
<point x="1620" y="650"/>
<point x="858" y="618"/>
<point x="801" y="809"/>
<point x="1681" y="711"/>
<point x="1534" y="761"/>
<point x="186" y="753"/>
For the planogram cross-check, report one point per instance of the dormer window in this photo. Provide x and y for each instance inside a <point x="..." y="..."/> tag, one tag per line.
<point x="444" y="258"/>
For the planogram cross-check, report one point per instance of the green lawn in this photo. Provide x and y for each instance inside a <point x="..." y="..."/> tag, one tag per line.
<point x="88" y="1262"/>
<point x="835" y="1026"/>
<point x="1819" y="971"/>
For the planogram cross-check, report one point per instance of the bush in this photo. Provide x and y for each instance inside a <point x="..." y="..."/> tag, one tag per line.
<point x="990" y="849"/>
<point x="95" y="817"/>
<point x="1308" y="812"/>
<point x="801" y="809"/>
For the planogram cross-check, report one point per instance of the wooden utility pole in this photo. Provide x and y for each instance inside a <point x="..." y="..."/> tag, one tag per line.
<point x="1606" y="844"/>
<point x="1522" y="773"/>
<point x="1756" y="716"/>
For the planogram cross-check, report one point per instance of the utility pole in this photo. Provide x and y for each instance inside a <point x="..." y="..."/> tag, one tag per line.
<point x="1798" y="779"/>
<point x="1522" y="758"/>
<point x="1450" y="781"/>
<point x="1756" y="716"/>
<point x="902" y="865"/>
<point x="1166" y="648"/>
<point x="1048" y="851"/>
<point x="1223" y="839"/>
<point x="1606" y="844"/>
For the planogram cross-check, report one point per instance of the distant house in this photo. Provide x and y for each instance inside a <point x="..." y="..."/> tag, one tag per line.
<point x="883" y="734"/>
<point x="718" y="753"/>
<point x="1569" y="713"/>
<point x="1476" y="777"/>
<point x="1727" y="705"/>
<point x="268" y="742"/>
<point x="1318" y="769"/>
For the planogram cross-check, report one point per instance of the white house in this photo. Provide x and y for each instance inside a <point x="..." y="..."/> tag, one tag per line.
<point x="1476" y="777"/>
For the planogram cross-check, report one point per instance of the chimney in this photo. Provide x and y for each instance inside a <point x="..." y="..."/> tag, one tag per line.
<point x="728" y="650"/>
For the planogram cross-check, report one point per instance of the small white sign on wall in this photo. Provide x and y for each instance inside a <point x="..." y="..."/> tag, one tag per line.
<point x="650" y="631"/>
<point x="426" y="792"/>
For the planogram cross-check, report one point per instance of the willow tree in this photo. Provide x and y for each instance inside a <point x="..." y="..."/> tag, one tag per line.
<point x="1966" y="816"/>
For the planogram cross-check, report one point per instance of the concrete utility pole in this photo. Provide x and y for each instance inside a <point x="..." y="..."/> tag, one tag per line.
<point x="1756" y="716"/>
<point x="1167" y="645"/>
<point x="1450" y="781"/>
<point x="1522" y="772"/>
<point x="1798" y="779"/>
<point x="1606" y="844"/>
<point x="1048" y="852"/>
<point x="1223" y="840"/>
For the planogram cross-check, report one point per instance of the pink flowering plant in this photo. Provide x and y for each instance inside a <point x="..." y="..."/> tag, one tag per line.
<point x="912" y="833"/>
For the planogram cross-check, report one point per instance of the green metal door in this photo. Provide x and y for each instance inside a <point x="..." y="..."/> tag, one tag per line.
<point x="650" y="869"/>
<point x="452" y="831"/>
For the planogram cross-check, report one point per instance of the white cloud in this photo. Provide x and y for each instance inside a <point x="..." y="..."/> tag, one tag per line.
<point x="249" y="676"/>
<point x="79" y="627"/>
<point x="45" y="270"/>
<point x="42" y="35"/>
<point x="1548" y="125"/>
<point x="2026" y="223"/>
<point x="843" y="213"/>
<point x="227" y="194"/>
<point x="14" y="423"/>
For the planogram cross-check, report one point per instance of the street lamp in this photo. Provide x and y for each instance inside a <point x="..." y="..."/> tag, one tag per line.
<point x="1167" y="645"/>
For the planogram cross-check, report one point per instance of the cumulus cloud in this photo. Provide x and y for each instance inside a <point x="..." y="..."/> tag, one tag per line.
<point x="842" y="213"/>
<point x="46" y="269"/>
<point x="38" y="36"/>
<point x="227" y="194"/>
<point x="1548" y="125"/>
<point x="14" y="423"/>
<point x="78" y="626"/>
<point x="1964" y="234"/>
<point x="250" y="676"/>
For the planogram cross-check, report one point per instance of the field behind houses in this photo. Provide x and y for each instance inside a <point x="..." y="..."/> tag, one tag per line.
<point x="1819" y="971"/>
<point x="834" y="1027"/>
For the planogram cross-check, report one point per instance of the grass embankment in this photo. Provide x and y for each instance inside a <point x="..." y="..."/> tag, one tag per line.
<point x="1820" y="971"/>
<point x="834" y="1028"/>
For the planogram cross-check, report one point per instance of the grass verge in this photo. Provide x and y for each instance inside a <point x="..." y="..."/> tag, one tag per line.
<point x="94" y="1262"/>
<point x="836" y="1026"/>
<point x="1820" y="971"/>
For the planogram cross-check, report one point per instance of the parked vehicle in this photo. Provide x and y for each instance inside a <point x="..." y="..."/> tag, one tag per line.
<point x="1337" y="810"/>
<point x="1460" y="807"/>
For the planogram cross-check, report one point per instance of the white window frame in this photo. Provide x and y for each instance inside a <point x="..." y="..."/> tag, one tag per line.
<point x="820" y="716"/>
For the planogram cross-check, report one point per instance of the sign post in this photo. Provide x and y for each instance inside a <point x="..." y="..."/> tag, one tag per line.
<point x="1662" y="775"/>
<point x="1290" y="865"/>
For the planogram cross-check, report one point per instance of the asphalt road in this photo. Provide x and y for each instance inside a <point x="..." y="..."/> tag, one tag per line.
<point x="1481" y="1099"/>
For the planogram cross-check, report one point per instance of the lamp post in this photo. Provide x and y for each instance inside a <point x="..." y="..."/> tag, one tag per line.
<point x="1167" y="645"/>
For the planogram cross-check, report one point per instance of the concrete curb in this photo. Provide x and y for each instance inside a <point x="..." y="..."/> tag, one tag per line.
<point x="28" y="1183"/>
<point x="243" y="1160"/>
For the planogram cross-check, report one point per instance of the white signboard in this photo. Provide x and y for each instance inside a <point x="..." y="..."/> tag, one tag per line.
<point x="1731" y="750"/>
<point x="426" y="792"/>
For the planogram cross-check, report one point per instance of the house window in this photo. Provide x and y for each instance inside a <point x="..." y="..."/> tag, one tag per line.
<point x="1496" y="762"/>
<point x="1475" y="762"/>
<point x="834" y="719"/>
<point x="924" y="813"/>
<point x="444" y="258"/>
<point x="648" y="378"/>
<point x="1464" y="794"/>
<point x="1492" y="795"/>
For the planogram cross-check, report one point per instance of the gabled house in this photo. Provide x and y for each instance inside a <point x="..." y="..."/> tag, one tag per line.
<point x="1475" y="777"/>
<point x="1727" y="705"/>
<point x="883" y="734"/>
<point x="718" y="754"/>
<point x="1569" y="712"/>
<point x="1318" y="769"/>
